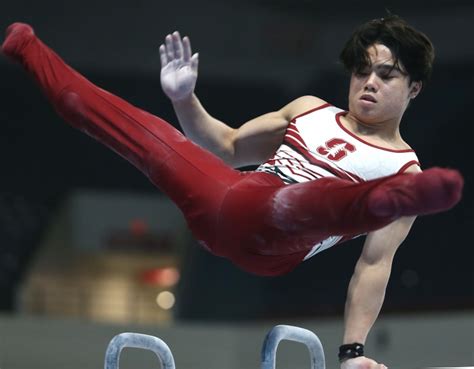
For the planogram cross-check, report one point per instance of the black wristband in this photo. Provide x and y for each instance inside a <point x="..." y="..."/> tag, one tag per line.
<point x="350" y="351"/>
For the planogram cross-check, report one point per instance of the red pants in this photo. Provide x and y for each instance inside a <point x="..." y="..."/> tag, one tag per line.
<point x="262" y="225"/>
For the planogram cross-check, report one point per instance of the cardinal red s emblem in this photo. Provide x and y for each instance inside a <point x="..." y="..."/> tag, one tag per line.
<point x="336" y="149"/>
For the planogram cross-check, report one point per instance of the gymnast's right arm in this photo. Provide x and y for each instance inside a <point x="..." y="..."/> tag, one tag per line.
<point x="251" y="144"/>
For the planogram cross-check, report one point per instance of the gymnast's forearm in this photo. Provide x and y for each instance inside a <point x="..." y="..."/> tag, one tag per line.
<point x="205" y="130"/>
<point x="364" y="299"/>
<point x="179" y="72"/>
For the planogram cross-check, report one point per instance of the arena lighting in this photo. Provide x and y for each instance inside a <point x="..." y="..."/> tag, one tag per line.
<point x="165" y="300"/>
<point x="162" y="277"/>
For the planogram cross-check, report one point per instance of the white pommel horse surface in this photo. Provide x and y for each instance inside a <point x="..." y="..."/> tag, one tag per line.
<point x="268" y="355"/>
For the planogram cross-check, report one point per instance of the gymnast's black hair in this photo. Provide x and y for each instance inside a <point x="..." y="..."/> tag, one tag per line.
<point x="411" y="49"/>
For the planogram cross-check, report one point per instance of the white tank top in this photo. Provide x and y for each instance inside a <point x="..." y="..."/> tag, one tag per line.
<point x="317" y="145"/>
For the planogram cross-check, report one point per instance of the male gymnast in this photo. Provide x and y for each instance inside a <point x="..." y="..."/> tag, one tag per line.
<point x="326" y="175"/>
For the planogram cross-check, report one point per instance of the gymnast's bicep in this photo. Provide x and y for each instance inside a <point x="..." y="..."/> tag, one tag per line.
<point x="256" y="140"/>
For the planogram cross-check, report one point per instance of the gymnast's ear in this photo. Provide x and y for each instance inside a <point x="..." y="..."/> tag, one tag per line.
<point x="415" y="88"/>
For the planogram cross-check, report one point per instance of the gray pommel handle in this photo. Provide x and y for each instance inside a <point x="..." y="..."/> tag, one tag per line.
<point x="291" y="333"/>
<point x="141" y="341"/>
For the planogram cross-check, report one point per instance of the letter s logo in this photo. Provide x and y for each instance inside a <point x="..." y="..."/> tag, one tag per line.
<point x="336" y="149"/>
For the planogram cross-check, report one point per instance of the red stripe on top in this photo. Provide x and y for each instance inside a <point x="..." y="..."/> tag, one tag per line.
<point x="338" y="120"/>
<point x="296" y="137"/>
<point x="292" y="159"/>
<point x="311" y="172"/>
<point x="408" y="165"/>
<point x="301" y="167"/>
<point x="310" y="111"/>
<point x="301" y="175"/>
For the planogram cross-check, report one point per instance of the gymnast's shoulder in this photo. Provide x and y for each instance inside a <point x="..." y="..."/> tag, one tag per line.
<point x="301" y="105"/>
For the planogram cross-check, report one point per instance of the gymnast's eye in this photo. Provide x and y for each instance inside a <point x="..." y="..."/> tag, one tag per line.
<point x="387" y="76"/>
<point x="361" y="73"/>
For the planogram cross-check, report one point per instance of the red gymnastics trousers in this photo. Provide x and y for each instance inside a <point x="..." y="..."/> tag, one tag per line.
<point x="252" y="218"/>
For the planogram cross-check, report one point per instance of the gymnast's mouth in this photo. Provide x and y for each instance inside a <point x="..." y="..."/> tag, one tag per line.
<point x="367" y="97"/>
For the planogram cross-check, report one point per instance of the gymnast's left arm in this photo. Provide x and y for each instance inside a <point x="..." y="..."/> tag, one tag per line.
<point x="367" y="287"/>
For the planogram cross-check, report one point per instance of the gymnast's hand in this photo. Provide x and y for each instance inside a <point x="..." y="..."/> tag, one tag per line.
<point x="361" y="362"/>
<point x="178" y="67"/>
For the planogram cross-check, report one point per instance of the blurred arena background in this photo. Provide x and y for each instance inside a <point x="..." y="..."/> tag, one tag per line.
<point x="88" y="247"/>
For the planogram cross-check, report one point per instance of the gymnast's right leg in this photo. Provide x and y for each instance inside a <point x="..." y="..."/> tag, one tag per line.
<point x="192" y="177"/>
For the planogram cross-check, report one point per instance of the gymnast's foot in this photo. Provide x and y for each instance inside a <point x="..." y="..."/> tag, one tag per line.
<point x="429" y="192"/>
<point x="17" y="37"/>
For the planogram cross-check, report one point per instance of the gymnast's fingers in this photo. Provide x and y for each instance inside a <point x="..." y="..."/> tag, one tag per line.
<point x="163" y="57"/>
<point x="177" y="45"/>
<point x="195" y="62"/>
<point x="169" y="47"/>
<point x="186" y="49"/>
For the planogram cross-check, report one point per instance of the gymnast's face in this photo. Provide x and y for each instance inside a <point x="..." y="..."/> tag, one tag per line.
<point x="381" y="92"/>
